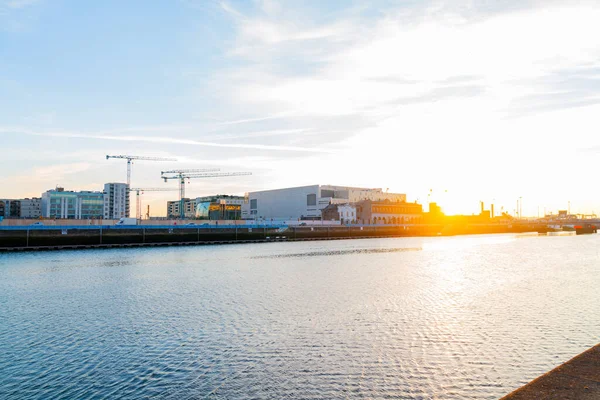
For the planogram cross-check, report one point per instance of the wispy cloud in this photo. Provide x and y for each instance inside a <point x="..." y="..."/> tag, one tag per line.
<point x="437" y="88"/>
<point x="16" y="4"/>
<point x="402" y="56"/>
<point x="169" y="140"/>
<point x="230" y="9"/>
<point x="17" y="15"/>
<point x="434" y="78"/>
<point x="257" y="134"/>
<point x="59" y="171"/>
<point x="257" y="119"/>
<point x="50" y="173"/>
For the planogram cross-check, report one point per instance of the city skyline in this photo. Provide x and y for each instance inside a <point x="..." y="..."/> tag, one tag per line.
<point x="429" y="95"/>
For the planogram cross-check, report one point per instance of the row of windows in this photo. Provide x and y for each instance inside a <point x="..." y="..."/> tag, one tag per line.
<point x="395" y="210"/>
<point x="394" y="220"/>
<point x="72" y="209"/>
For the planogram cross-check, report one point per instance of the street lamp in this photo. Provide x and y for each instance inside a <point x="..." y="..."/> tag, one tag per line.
<point x="520" y="207"/>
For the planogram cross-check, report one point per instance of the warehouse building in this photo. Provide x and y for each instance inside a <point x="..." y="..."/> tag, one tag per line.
<point x="307" y="202"/>
<point x="388" y="212"/>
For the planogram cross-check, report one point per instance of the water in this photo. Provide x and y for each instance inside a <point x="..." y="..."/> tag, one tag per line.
<point x="447" y="318"/>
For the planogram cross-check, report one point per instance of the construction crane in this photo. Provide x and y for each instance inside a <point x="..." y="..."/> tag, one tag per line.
<point x="190" y="171"/>
<point x="130" y="160"/>
<point x="140" y="158"/>
<point x="138" y="198"/>
<point x="183" y="174"/>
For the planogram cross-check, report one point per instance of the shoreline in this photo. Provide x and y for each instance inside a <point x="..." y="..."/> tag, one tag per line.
<point x="18" y="239"/>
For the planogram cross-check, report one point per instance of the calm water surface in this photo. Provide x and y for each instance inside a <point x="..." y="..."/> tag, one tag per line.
<point x="448" y="318"/>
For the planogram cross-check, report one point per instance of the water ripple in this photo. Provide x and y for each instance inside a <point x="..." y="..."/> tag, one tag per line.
<point x="467" y="318"/>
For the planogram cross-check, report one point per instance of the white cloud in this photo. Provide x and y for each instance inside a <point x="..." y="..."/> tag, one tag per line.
<point x="40" y="176"/>
<point x="17" y="15"/>
<point x="15" y="4"/>
<point x="502" y="50"/>
<point x="451" y="97"/>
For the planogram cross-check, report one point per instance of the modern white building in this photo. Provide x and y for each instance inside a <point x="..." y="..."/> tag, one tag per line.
<point x="306" y="202"/>
<point x="116" y="201"/>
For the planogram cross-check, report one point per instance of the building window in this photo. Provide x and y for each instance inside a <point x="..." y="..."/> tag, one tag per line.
<point x="311" y="199"/>
<point x="253" y="204"/>
<point x="327" y="193"/>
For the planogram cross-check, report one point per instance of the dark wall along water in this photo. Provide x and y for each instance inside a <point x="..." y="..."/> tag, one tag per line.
<point x="40" y="237"/>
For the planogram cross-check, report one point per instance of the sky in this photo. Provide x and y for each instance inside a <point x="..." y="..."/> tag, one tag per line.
<point x="452" y="101"/>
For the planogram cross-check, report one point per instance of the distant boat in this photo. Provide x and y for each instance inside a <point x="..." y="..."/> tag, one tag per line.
<point x="585" y="229"/>
<point x="580" y="229"/>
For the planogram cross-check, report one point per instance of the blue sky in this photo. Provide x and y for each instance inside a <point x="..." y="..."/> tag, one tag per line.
<point x="475" y="100"/>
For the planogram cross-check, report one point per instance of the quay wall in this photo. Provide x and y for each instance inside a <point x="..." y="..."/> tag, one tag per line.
<point x="151" y="222"/>
<point x="15" y="238"/>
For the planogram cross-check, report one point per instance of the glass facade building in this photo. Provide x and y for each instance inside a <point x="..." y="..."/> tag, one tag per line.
<point x="220" y="207"/>
<point x="10" y="208"/>
<point x="61" y="204"/>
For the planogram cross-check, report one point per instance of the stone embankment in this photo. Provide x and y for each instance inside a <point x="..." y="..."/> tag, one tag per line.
<point x="577" y="379"/>
<point x="71" y="237"/>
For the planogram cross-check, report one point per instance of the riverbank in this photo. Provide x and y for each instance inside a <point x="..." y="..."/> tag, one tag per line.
<point x="33" y="238"/>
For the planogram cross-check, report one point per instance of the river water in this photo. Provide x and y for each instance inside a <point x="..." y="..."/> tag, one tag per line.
<point x="419" y="318"/>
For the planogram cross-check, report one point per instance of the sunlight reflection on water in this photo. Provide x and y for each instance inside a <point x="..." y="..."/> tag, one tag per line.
<point x="456" y="317"/>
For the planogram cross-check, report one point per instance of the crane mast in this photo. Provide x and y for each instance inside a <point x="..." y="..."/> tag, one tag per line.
<point x="138" y="198"/>
<point x="183" y="174"/>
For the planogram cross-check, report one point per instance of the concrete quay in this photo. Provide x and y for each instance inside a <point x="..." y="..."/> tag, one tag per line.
<point x="71" y="237"/>
<point x="577" y="379"/>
